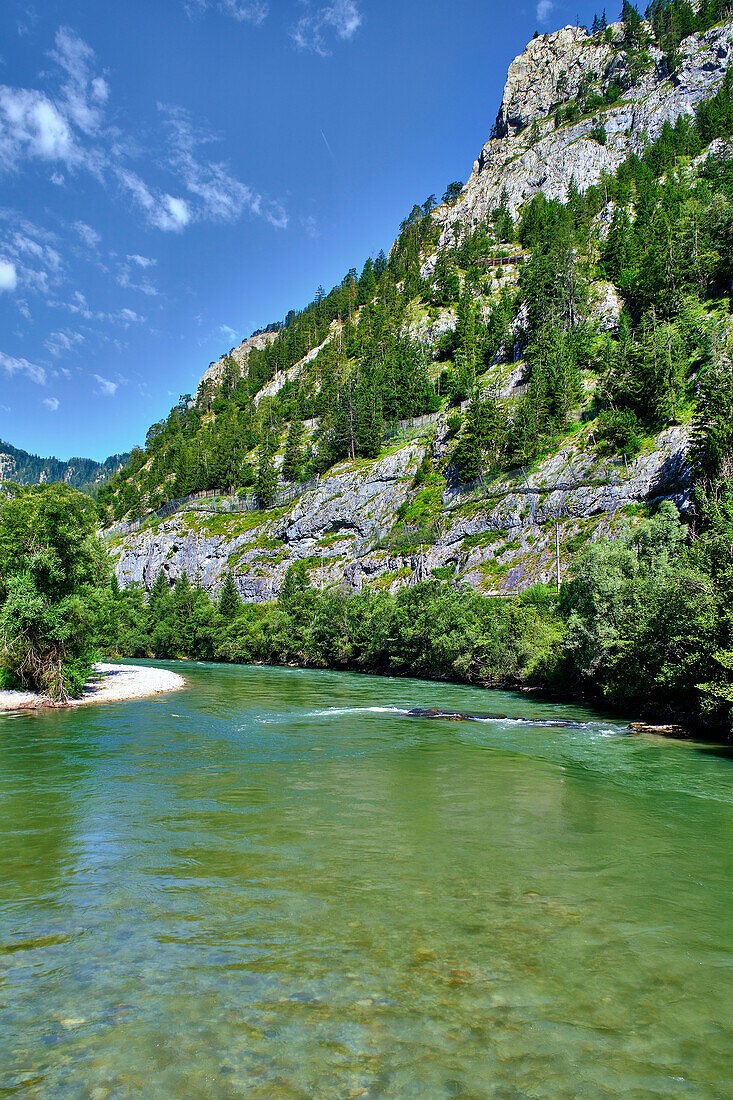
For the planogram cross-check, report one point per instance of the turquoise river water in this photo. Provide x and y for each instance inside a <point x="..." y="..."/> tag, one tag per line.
<point x="276" y="885"/>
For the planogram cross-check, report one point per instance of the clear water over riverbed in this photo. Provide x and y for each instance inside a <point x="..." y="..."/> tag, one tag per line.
<point x="276" y="885"/>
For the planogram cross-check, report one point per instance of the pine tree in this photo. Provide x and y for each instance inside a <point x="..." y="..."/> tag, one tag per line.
<point x="293" y="450"/>
<point x="229" y="601"/>
<point x="369" y="420"/>
<point x="266" y="480"/>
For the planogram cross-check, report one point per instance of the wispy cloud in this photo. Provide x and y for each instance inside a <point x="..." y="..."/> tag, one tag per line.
<point x="544" y="8"/>
<point x="51" y="403"/>
<point x="311" y="227"/>
<point x="230" y="334"/>
<point x="13" y="366"/>
<point x="217" y="194"/>
<point x="84" y="94"/>
<point x="244" y="11"/>
<point x="107" y="388"/>
<point x="89" y="236"/>
<point x="162" y="210"/>
<point x="67" y="129"/>
<point x="131" y="275"/>
<point x="79" y="306"/>
<point x="8" y="275"/>
<point x="142" y="261"/>
<point x="62" y="341"/>
<point x="32" y="254"/>
<point x="317" y="25"/>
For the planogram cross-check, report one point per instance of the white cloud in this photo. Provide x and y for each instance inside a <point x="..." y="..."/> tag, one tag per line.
<point x="30" y="251"/>
<point x="13" y="366"/>
<point x="51" y="403"/>
<point x="230" y="334"/>
<point x="221" y="196"/>
<point x="67" y="128"/>
<point x="252" y="11"/>
<point x="544" y="7"/>
<point x="131" y="278"/>
<point x="79" y="306"/>
<point x="84" y="94"/>
<point x="89" y="236"/>
<point x="8" y="275"/>
<point x="31" y="124"/>
<point x="342" y="18"/>
<point x="142" y="261"/>
<point x="62" y="341"/>
<point x="311" y="227"/>
<point x="162" y="210"/>
<point x="106" y="388"/>
<point x="244" y="11"/>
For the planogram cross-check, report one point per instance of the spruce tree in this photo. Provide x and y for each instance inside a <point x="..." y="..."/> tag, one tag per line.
<point x="229" y="601"/>
<point x="293" y="459"/>
<point x="266" y="480"/>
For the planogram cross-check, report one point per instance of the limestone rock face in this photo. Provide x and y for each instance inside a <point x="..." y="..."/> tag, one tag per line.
<point x="240" y="355"/>
<point x="526" y="154"/>
<point x="548" y="73"/>
<point x="499" y="538"/>
<point x="353" y="506"/>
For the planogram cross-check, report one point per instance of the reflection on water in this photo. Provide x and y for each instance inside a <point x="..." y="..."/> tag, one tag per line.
<point x="275" y="885"/>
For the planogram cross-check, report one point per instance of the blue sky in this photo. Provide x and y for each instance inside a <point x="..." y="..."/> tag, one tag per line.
<point x="177" y="173"/>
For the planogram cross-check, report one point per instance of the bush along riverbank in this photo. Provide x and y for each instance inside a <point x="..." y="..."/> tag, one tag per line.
<point x="643" y="623"/>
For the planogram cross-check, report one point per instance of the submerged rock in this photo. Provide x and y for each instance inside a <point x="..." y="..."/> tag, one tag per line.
<point x="670" y="730"/>
<point x="451" y="715"/>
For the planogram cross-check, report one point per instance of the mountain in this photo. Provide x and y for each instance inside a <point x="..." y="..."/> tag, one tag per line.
<point x="533" y="366"/>
<point x="81" y="473"/>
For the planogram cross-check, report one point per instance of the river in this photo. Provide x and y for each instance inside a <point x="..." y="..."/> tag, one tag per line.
<point x="274" y="884"/>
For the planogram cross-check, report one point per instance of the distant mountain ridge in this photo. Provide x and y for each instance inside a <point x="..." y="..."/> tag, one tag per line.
<point x="81" y="473"/>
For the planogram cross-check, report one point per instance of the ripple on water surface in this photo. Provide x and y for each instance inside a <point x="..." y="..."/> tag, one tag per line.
<point x="276" y="884"/>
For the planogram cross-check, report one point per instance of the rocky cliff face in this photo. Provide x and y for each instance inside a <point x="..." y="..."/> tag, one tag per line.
<point x="498" y="537"/>
<point x="240" y="355"/>
<point x="526" y="154"/>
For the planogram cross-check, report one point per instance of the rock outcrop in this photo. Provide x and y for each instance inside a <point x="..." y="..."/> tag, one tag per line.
<point x="240" y="355"/>
<point x="498" y="537"/>
<point x="526" y="154"/>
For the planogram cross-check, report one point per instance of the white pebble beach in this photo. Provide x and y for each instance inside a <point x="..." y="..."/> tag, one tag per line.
<point x="110" y="684"/>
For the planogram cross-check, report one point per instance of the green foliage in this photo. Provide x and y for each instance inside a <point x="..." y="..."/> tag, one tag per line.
<point x="618" y="431"/>
<point x="54" y="590"/>
<point x="229" y="601"/>
<point x="647" y="621"/>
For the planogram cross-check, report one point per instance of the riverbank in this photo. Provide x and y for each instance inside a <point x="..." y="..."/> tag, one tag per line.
<point x="109" y="684"/>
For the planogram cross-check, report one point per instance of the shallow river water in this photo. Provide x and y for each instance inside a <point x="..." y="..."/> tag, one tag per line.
<point x="275" y="885"/>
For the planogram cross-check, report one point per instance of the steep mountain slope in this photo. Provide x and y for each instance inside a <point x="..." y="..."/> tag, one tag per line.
<point x="81" y="473"/>
<point x="521" y="375"/>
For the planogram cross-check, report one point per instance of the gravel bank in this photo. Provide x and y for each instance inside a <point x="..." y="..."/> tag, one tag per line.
<point x="111" y="683"/>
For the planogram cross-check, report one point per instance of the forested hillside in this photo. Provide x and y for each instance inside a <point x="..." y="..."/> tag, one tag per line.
<point x="613" y="301"/>
<point x="84" y="474"/>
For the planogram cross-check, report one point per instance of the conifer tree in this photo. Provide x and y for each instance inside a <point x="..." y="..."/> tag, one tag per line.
<point x="266" y="480"/>
<point x="229" y="601"/>
<point x="293" y="459"/>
